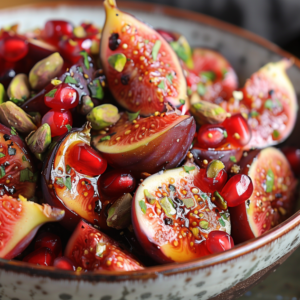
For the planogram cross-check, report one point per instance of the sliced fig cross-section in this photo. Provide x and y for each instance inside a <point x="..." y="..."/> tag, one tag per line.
<point x="147" y="144"/>
<point x="172" y="216"/>
<point x="273" y="197"/>
<point x="143" y="71"/>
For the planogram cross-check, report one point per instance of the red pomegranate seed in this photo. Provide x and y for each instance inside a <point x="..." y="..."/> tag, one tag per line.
<point x="238" y="130"/>
<point x="211" y="136"/>
<point x="90" y="29"/>
<point x="49" y="240"/>
<point x="117" y="183"/>
<point x="57" y="121"/>
<point x="13" y="48"/>
<point x="42" y="257"/>
<point x="64" y="263"/>
<point x="293" y="156"/>
<point x="237" y="190"/>
<point x="58" y="28"/>
<point x="86" y="160"/>
<point x="63" y="97"/>
<point x="219" y="241"/>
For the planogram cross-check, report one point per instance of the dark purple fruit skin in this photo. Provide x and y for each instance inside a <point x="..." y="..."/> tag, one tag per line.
<point x="161" y="153"/>
<point x="201" y="154"/>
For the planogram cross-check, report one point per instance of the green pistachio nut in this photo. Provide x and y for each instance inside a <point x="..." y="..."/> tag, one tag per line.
<point x="119" y="214"/>
<point x="149" y="197"/>
<point x="214" y="168"/>
<point x="86" y="105"/>
<point x="2" y="93"/>
<point x="36" y="118"/>
<point x="19" y="88"/>
<point x="12" y="115"/>
<point x="168" y="206"/>
<point x="45" y="70"/>
<point x="206" y="112"/>
<point x="103" y="115"/>
<point x="38" y="141"/>
<point x="219" y="201"/>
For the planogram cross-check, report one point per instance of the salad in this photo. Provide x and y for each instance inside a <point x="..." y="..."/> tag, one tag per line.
<point x="122" y="147"/>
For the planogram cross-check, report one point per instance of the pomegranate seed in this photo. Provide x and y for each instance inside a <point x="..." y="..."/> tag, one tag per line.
<point x="117" y="183"/>
<point x="42" y="257"/>
<point x="13" y="48"/>
<point x="49" y="240"/>
<point x="211" y="136"/>
<point x="86" y="160"/>
<point x="238" y="130"/>
<point x="168" y="36"/>
<point x="293" y="156"/>
<point x="237" y="190"/>
<point x="57" y="121"/>
<point x="64" y="263"/>
<point x="64" y="98"/>
<point x="219" y="241"/>
<point x="90" y="29"/>
<point x="58" y="28"/>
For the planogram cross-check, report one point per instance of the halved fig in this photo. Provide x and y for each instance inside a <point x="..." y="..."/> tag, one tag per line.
<point x="147" y="144"/>
<point x="273" y="198"/>
<point x="70" y="176"/>
<point x="172" y="216"/>
<point x="17" y="174"/>
<point x="269" y="99"/>
<point x="92" y="250"/>
<point x="20" y="220"/>
<point x="212" y="76"/>
<point x="143" y="71"/>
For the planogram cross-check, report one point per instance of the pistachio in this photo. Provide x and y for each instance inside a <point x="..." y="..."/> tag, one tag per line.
<point x="86" y="105"/>
<point x="13" y="116"/>
<point x="151" y="199"/>
<point x="19" y="88"/>
<point x="45" y="70"/>
<point x="36" y="118"/>
<point x="214" y="168"/>
<point x="103" y="116"/>
<point x="168" y="206"/>
<point x="119" y="214"/>
<point x="206" y="112"/>
<point x="2" y="93"/>
<point x="220" y="201"/>
<point x="38" y="141"/>
<point x="188" y="202"/>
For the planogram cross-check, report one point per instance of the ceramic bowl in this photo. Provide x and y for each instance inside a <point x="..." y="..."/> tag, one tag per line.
<point x="222" y="276"/>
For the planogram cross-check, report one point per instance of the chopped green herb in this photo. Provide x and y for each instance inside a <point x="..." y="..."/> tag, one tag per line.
<point x="85" y="59"/>
<point x="132" y="116"/>
<point x="17" y="101"/>
<point x="51" y="93"/>
<point x="276" y="134"/>
<point x="117" y="61"/>
<point x="143" y="206"/>
<point x="224" y="216"/>
<point x="71" y="80"/>
<point x="68" y="169"/>
<point x="180" y="51"/>
<point x="60" y="181"/>
<point x="188" y="168"/>
<point x="68" y="183"/>
<point x="269" y="104"/>
<point x="182" y="101"/>
<point x="221" y="221"/>
<point x="2" y="155"/>
<point x="96" y="89"/>
<point x="208" y="75"/>
<point x="232" y="158"/>
<point x="225" y="134"/>
<point x="189" y="91"/>
<point x="105" y="138"/>
<point x="23" y="158"/>
<point x="269" y="181"/>
<point x="13" y="131"/>
<point x="201" y="89"/>
<point x="254" y="113"/>
<point x="69" y="127"/>
<point x="11" y="151"/>
<point x="203" y="224"/>
<point x="170" y="78"/>
<point x="161" y="85"/>
<point x="2" y="171"/>
<point x="155" y="49"/>
<point x="27" y="175"/>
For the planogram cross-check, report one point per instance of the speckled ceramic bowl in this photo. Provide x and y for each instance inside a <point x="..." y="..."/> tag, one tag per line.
<point x="223" y="276"/>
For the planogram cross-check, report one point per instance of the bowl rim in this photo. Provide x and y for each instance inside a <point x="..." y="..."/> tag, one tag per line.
<point x="172" y="268"/>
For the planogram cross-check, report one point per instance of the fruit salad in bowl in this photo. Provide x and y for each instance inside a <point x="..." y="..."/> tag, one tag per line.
<point x="128" y="155"/>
